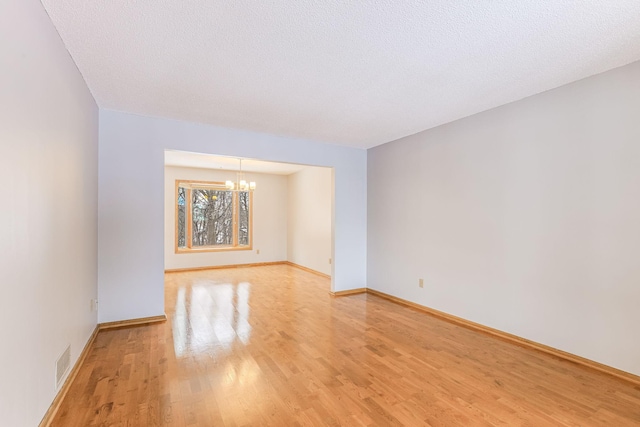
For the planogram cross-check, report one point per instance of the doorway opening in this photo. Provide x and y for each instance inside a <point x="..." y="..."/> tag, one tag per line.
<point x="287" y="217"/>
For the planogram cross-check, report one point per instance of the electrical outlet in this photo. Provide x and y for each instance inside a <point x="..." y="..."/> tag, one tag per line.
<point x="421" y="283"/>
<point x="94" y="304"/>
<point x="257" y="251"/>
<point x="329" y="260"/>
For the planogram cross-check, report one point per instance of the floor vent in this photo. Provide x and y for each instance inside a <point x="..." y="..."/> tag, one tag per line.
<point x="62" y="366"/>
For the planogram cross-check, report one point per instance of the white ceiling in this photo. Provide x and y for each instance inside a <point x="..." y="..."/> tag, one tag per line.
<point x="207" y="161"/>
<point x="358" y="73"/>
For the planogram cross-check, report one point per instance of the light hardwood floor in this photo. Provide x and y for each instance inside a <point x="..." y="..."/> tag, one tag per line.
<point x="269" y="346"/>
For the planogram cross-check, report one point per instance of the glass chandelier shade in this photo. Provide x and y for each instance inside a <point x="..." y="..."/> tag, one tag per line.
<point x="240" y="184"/>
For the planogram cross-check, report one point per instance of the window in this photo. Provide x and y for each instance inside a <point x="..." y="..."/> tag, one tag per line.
<point x="209" y="217"/>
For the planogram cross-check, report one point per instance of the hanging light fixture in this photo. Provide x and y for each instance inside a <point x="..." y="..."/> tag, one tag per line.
<point x="241" y="183"/>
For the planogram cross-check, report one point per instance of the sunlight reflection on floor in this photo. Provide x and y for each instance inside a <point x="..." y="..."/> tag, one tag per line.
<point x="210" y="317"/>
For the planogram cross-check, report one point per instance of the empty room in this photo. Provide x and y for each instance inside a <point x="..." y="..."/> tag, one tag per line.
<point x="376" y="213"/>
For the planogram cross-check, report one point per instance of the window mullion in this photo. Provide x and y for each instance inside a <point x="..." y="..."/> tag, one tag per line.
<point x="189" y="216"/>
<point x="236" y="207"/>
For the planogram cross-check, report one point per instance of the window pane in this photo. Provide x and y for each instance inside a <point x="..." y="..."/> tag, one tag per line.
<point x="243" y="218"/>
<point x="212" y="217"/>
<point x="182" y="218"/>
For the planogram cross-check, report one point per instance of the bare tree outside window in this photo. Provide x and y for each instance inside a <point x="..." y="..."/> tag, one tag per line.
<point x="214" y="217"/>
<point x="212" y="213"/>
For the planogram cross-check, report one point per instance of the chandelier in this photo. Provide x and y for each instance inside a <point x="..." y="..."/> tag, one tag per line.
<point x="240" y="184"/>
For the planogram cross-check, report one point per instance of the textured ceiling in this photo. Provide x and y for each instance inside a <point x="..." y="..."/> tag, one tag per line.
<point x="357" y="73"/>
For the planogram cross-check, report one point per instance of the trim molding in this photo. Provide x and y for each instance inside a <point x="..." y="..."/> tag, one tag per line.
<point x="132" y="322"/>
<point x="514" y="339"/>
<point x="348" y="292"/>
<point x="293" y="264"/>
<point x="216" y="267"/>
<point x="55" y="405"/>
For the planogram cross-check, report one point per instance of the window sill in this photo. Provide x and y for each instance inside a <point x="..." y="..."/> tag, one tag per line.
<point x="212" y="249"/>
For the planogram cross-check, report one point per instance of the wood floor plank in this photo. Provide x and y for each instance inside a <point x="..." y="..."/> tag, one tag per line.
<point x="268" y="346"/>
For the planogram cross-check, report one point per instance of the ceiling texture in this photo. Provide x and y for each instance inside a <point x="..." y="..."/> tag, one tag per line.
<point x="356" y="73"/>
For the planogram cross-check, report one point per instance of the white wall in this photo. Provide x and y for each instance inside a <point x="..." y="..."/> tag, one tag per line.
<point x="131" y="163"/>
<point x="524" y="218"/>
<point x="269" y="220"/>
<point x="309" y="225"/>
<point x="48" y="220"/>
